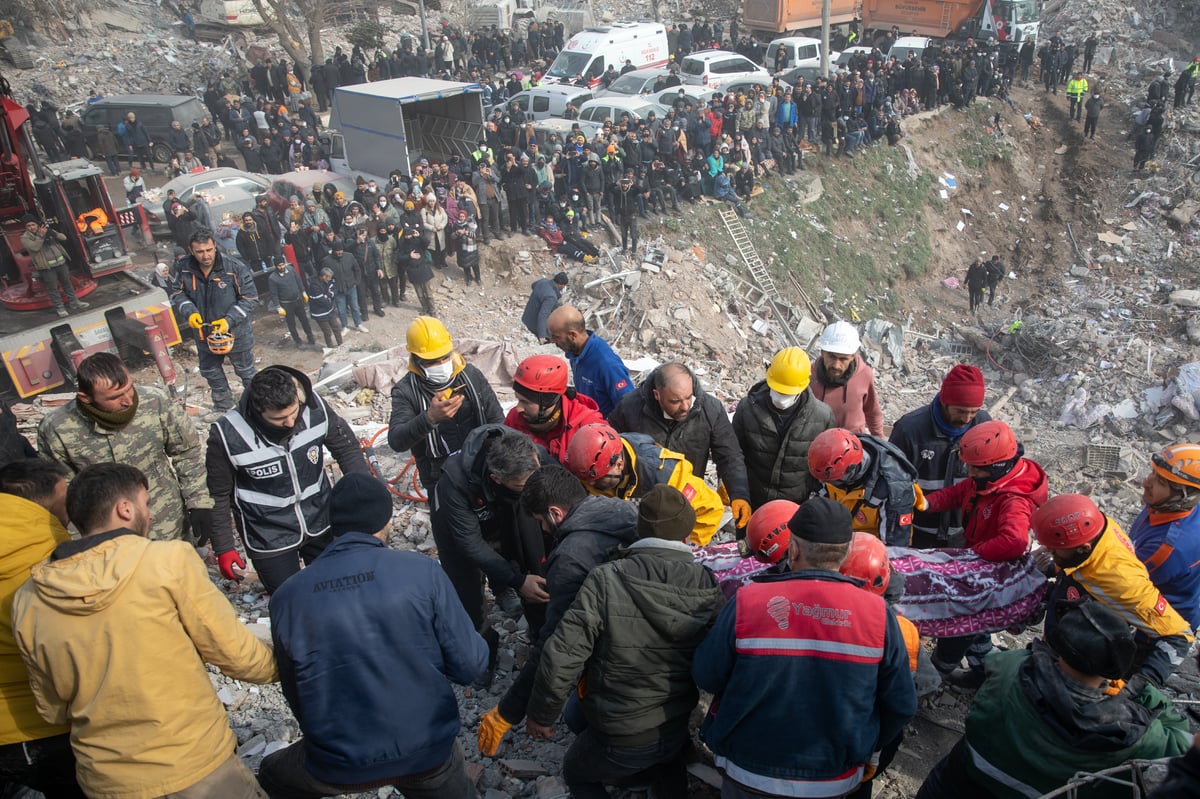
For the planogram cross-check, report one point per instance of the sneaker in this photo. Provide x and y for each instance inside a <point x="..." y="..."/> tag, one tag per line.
<point x="362" y="329"/>
<point x="379" y="312"/>
<point x="80" y="305"/>
<point x="62" y="312"/>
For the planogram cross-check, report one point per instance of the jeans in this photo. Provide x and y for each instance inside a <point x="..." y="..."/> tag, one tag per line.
<point x="55" y="279"/>
<point x="114" y="166"/>
<point x="284" y="775"/>
<point x="348" y="298"/>
<point x="274" y="570"/>
<point x="212" y="369"/>
<point x="591" y="763"/>
<point x="46" y="765"/>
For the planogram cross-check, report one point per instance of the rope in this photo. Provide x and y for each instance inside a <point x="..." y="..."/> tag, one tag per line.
<point x="395" y="484"/>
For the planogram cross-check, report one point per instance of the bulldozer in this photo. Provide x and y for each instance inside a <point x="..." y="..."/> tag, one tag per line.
<point x="11" y="49"/>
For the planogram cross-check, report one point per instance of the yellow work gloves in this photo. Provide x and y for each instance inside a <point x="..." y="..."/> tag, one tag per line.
<point x="741" y="512"/>
<point x="919" y="501"/>
<point x="220" y="326"/>
<point x="492" y="728"/>
<point x="282" y="312"/>
<point x="196" y="321"/>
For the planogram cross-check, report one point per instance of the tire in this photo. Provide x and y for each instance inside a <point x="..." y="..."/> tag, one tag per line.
<point x="161" y="153"/>
<point x="17" y="53"/>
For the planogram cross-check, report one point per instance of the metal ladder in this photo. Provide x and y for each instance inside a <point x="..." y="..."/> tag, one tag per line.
<point x="947" y="10"/>
<point x="758" y="270"/>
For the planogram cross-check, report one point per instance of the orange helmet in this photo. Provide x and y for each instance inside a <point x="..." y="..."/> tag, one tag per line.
<point x="594" y="449"/>
<point x="988" y="443"/>
<point x="1178" y="464"/>
<point x="1067" y="521"/>
<point x="768" y="535"/>
<point x="868" y="561"/>
<point x="833" y="454"/>
<point x="220" y="343"/>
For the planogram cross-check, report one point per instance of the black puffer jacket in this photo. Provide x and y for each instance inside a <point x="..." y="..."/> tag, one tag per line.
<point x="775" y="443"/>
<point x="706" y="429"/>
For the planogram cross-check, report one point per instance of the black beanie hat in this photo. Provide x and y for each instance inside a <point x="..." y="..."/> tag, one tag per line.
<point x="822" y="521"/>
<point x="359" y="504"/>
<point x="664" y="513"/>
<point x="1094" y="640"/>
<point x="25" y="220"/>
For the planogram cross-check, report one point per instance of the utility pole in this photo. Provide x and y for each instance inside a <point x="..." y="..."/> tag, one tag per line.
<point x="425" y="27"/>
<point x="825" y="38"/>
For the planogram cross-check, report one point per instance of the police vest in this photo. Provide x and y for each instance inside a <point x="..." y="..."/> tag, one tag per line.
<point x="279" y="489"/>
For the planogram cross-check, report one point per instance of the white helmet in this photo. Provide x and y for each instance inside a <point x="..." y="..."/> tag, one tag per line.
<point x="840" y="338"/>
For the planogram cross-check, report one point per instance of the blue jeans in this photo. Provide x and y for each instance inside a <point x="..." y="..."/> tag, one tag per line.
<point x="348" y="298"/>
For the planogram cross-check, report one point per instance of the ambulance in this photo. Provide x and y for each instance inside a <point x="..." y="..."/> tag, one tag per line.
<point x="590" y="52"/>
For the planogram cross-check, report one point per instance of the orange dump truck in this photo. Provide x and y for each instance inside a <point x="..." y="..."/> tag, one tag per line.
<point x="1006" y="20"/>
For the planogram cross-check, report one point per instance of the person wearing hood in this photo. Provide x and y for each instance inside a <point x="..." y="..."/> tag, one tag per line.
<point x="674" y="409"/>
<point x="1166" y="533"/>
<point x="252" y="245"/>
<point x="438" y="401"/>
<point x="464" y="231"/>
<point x="775" y="423"/>
<point x="266" y="474"/>
<point x="583" y="530"/>
<point x="928" y="437"/>
<point x="844" y="381"/>
<point x="547" y="410"/>
<point x="631" y="634"/>
<point x="115" y="630"/>
<point x="1049" y="712"/>
<point x="558" y="244"/>
<point x="433" y="222"/>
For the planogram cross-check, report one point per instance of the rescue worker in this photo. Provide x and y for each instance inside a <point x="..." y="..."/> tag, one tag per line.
<point x="871" y="478"/>
<point x="1004" y="491"/>
<point x="767" y="535"/>
<point x="769" y="636"/>
<point x="845" y="382"/>
<point x="1077" y="89"/>
<point x="774" y="425"/>
<point x="674" y="409"/>
<point x="599" y="372"/>
<point x="629" y="465"/>
<point x="547" y="410"/>
<point x="266" y="472"/>
<point x="1091" y="560"/>
<point x="543" y="299"/>
<point x="928" y="437"/>
<point x="217" y="298"/>
<point x="439" y="400"/>
<point x="112" y="420"/>
<point x="1166" y="533"/>
<point x="1048" y="712"/>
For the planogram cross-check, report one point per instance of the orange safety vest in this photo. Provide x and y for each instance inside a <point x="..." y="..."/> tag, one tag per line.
<point x="93" y="221"/>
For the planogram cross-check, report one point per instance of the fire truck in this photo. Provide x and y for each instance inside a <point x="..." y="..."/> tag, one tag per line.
<point x="127" y="315"/>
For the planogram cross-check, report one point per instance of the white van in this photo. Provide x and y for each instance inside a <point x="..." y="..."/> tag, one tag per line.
<point x="590" y="52"/>
<point x="541" y="102"/>
<point x="800" y="51"/>
<point x="916" y="45"/>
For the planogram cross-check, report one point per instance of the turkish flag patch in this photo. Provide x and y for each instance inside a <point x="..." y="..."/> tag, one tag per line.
<point x="622" y="385"/>
<point x="905" y="519"/>
<point x="1160" y="607"/>
<point x="689" y="493"/>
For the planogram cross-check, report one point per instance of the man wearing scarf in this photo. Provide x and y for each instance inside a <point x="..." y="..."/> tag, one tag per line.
<point x="929" y="437"/>
<point x="113" y="421"/>
<point x="845" y="382"/>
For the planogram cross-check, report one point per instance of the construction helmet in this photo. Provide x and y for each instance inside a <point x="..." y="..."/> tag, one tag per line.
<point x="545" y="374"/>
<point x="594" y="449"/>
<point x="1178" y="464"/>
<point x="833" y="454"/>
<point x="790" y="371"/>
<point x="840" y="338"/>
<point x="1067" y="521"/>
<point x="220" y="343"/>
<point x="988" y="443"/>
<point x="428" y="339"/>
<point x="1095" y="640"/>
<point x="868" y="561"/>
<point x="768" y="535"/>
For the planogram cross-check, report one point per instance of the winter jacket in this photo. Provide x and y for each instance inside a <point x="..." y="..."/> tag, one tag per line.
<point x="27" y="538"/>
<point x="321" y="303"/>
<point x="997" y="518"/>
<point x="148" y="722"/>
<point x="1113" y="576"/>
<point x="13" y="445"/>
<point x="160" y="440"/>
<point x="600" y="373"/>
<point x="631" y="632"/>
<point x="45" y="252"/>
<point x="331" y="625"/>
<point x="1028" y="733"/>
<point x="410" y="429"/>
<point x="434" y="224"/>
<point x="934" y="453"/>
<point x="228" y="292"/>
<point x="833" y="635"/>
<point x="853" y="401"/>
<point x="543" y="299"/>
<point x="1183" y="777"/>
<point x="882" y="502"/>
<point x="587" y="537"/>
<point x="577" y="410"/>
<point x="705" y="429"/>
<point x="285" y="287"/>
<point x="775" y="443"/>
<point x="1169" y="545"/>
<point x="347" y="272"/>
<point x="276" y="488"/>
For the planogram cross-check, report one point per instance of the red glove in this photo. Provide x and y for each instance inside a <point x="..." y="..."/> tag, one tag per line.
<point x="227" y="560"/>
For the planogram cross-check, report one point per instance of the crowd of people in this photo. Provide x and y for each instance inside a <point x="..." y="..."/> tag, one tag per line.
<point x="586" y="510"/>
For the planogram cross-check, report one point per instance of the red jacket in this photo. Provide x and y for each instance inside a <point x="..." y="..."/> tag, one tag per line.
<point x="553" y="241"/>
<point x="997" y="518"/>
<point x="577" y="412"/>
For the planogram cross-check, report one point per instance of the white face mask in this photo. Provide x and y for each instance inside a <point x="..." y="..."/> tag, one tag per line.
<point x="783" y="401"/>
<point x="439" y="373"/>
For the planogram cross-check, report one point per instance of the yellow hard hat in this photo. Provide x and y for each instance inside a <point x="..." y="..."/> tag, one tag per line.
<point x="790" y="371"/>
<point x="428" y="339"/>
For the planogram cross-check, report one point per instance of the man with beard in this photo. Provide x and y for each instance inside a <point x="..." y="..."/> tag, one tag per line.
<point x="547" y="410"/>
<point x="845" y="382"/>
<point x="1166" y="534"/>
<point x="599" y="372"/>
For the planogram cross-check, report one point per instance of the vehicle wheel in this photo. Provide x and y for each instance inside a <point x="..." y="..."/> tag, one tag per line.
<point x="162" y="153"/>
<point x="18" y="54"/>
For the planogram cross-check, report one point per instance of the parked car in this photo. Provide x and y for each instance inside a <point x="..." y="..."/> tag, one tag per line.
<point x="799" y="51"/>
<point x="752" y="84"/>
<point x="562" y="127"/>
<point x="612" y="106"/>
<point x="155" y="111"/>
<point x="229" y="193"/>
<point x="716" y="68"/>
<point x="640" y="81"/>
<point x="843" y="59"/>
<point x="549" y="100"/>
<point x="666" y="98"/>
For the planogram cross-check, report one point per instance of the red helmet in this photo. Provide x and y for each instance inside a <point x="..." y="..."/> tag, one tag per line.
<point x="1067" y="521"/>
<point x="868" y="561"/>
<point x="545" y="374"/>
<point x="593" y="450"/>
<point x="833" y="453"/>
<point x="767" y="534"/>
<point x="987" y="443"/>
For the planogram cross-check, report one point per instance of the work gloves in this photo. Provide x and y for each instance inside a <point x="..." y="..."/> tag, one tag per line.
<point x="226" y="561"/>
<point x="201" y="520"/>
<point x="492" y="728"/>
<point x="741" y="512"/>
<point x="196" y="321"/>
<point x="220" y="326"/>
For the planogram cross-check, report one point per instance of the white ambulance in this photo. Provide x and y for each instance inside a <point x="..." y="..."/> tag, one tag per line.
<point x="590" y="52"/>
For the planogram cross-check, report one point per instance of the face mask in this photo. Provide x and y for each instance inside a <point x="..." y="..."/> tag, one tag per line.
<point x="783" y="401"/>
<point x="439" y="373"/>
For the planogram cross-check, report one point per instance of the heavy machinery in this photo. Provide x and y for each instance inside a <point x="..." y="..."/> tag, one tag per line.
<point x="127" y="316"/>
<point x="11" y="49"/>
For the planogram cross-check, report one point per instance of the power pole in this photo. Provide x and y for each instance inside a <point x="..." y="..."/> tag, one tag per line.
<point x="825" y="38"/>
<point x="424" y="26"/>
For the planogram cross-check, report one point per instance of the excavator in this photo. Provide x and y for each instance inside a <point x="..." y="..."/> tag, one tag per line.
<point x="12" y="50"/>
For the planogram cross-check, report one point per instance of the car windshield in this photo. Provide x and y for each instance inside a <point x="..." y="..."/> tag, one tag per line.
<point x="1026" y="10"/>
<point x="628" y="84"/>
<point x="642" y="110"/>
<point x="568" y="65"/>
<point x="693" y="66"/>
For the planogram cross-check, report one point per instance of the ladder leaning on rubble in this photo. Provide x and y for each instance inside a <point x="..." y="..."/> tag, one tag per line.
<point x="758" y="270"/>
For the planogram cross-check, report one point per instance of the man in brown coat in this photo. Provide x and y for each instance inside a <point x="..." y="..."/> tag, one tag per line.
<point x="50" y="261"/>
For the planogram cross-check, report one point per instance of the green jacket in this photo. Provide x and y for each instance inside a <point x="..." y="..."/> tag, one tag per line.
<point x="1027" y="736"/>
<point x="631" y="632"/>
<point x="160" y="440"/>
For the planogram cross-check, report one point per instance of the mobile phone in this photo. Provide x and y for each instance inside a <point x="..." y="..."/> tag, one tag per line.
<point x="455" y="391"/>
